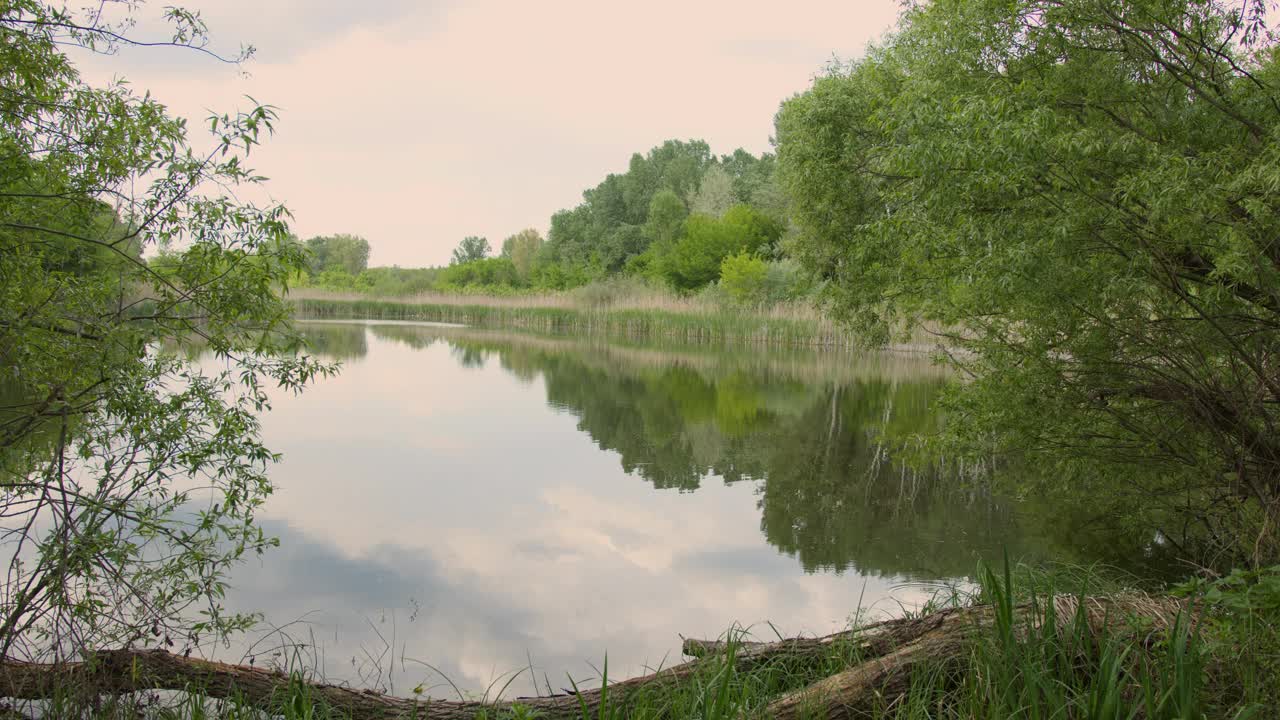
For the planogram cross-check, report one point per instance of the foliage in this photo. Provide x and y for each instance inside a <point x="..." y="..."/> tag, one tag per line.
<point x="333" y="279"/>
<point x="628" y="224"/>
<point x="393" y="281"/>
<point x="755" y="182"/>
<point x="520" y="249"/>
<point x="743" y="276"/>
<point x="1086" y="191"/>
<point x="129" y="475"/>
<point x="493" y="271"/>
<point x="748" y="279"/>
<point x="665" y="222"/>
<point x="471" y="248"/>
<point x="610" y="292"/>
<point x="785" y="280"/>
<point x="1243" y="610"/>
<point x="342" y="253"/>
<point x="629" y="219"/>
<point x="552" y="275"/>
<point x="1242" y="591"/>
<point x="608" y="226"/>
<point x="695" y="259"/>
<point x="715" y="193"/>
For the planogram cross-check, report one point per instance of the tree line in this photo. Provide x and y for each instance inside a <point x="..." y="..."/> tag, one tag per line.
<point x="679" y="217"/>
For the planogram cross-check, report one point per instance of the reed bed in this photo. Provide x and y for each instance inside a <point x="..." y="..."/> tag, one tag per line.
<point x="604" y="312"/>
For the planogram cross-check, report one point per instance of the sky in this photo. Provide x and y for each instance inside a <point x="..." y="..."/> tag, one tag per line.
<point x="415" y="123"/>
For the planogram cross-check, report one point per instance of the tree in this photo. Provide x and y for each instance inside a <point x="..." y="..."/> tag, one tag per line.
<point x="695" y="259"/>
<point x="715" y="193"/>
<point x="106" y="410"/>
<point x="471" y="248"/>
<point x="743" y="277"/>
<point x="486" y="272"/>
<point x="345" y="253"/>
<point x="1085" y="192"/>
<point x="520" y="249"/>
<point x="609" y="227"/>
<point x="674" y="165"/>
<point x="665" y="221"/>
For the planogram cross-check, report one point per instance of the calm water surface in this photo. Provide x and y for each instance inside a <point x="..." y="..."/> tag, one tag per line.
<point x="481" y="502"/>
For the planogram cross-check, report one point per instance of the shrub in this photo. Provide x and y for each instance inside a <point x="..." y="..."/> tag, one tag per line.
<point x="785" y="280"/>
<point x="695" y="260"/>
<point x="744" y="277"/>
<point x="489" y="271"/>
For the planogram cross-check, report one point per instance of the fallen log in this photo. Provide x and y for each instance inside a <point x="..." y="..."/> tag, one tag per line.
<point x="117" y="672"/>
<point x="885" y="651"/>
<point x="127" y="671"/>
<point x="875" y="686"/>
<point x="864" y="641"/>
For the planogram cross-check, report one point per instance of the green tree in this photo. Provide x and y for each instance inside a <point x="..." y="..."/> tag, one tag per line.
<point x="470" y="249"/>
<point x="1086" y="192"/>
<point x="695" y="259"/>
<point x="665" y="221"/>
<point x="345" y="253"/>
<point x="391" y="281"/>
<point x="99" y="345"/>
<point x="521" y="249"/>
<point x="609" y="227"/>
<point x="715" y="193"/>
<point x="486" y="272"/>
<point x="753" y="177"/>
<point x="743" y="276"/>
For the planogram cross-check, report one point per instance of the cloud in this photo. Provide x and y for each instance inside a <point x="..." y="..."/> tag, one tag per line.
<point x="375" y="616"/>
<point x="416" y="124"/>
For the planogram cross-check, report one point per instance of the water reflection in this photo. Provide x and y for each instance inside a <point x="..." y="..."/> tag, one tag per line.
<point x="821" y="442"/>
<point x="471" y="500"/>
<point x="336" y="341"/>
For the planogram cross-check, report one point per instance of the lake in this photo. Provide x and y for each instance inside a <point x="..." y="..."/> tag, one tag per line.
<point x="471" y="503"/>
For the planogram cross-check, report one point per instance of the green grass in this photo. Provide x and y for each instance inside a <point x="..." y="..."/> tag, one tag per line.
<point x="1054" y="668"/>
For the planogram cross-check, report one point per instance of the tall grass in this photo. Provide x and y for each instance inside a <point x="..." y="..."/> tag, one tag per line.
<point x="611" y="309"/>
<point x="1026" y="664"/>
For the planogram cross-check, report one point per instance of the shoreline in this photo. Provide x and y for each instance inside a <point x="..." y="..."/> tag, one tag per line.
<point x="752" y="327"/>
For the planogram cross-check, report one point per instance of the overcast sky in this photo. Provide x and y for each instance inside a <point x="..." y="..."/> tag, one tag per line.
<point x="417" y="122"/>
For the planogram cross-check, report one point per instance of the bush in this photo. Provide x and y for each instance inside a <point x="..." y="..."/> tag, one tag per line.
<point x="334" y="279"/>
<point x="744" y="276"/>
<point x="785" y="280"/>
<point x="389" y="281"/>
<point x="489" y="271"/>
<point x="555" y="275"/>
<point x="695" y="260"/>
<point x="605" y="293"/>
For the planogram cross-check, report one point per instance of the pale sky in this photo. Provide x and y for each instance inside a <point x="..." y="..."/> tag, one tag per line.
<point x="416" y="123"/>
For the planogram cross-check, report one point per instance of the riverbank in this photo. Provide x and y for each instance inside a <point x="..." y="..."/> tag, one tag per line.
<point x="616" y="311"/>
<point x="1005" y="649"/>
